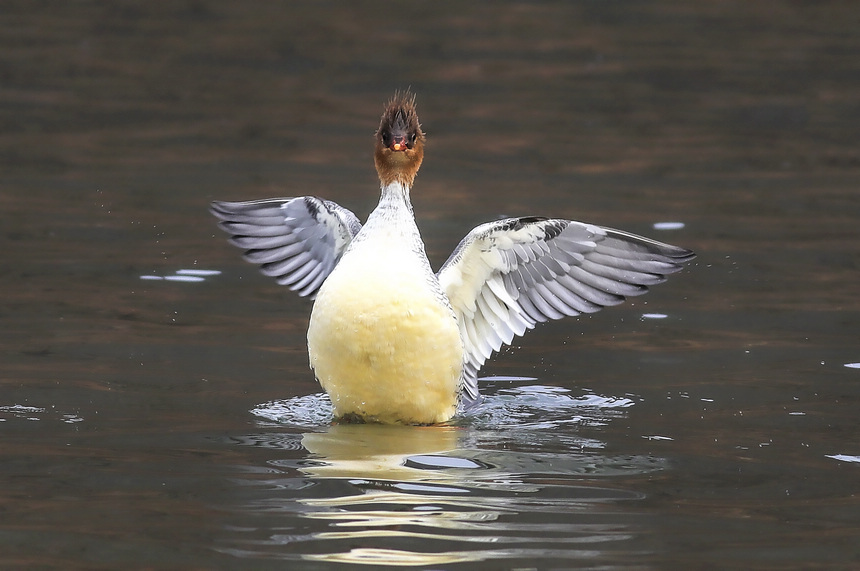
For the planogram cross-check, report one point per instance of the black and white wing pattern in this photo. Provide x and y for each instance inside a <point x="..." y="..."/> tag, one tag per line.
<point x="297" y="241"/>
<point x="506" y="276"/>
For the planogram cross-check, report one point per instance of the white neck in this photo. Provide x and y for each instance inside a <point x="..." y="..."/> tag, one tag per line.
<point x="394" y="204"/>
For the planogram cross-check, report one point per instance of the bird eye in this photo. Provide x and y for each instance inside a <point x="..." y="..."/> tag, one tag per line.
<point x="386" y="138"/>
<point x="413" y="137"/>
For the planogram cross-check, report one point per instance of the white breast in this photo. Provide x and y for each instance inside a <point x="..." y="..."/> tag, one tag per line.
<point x="382" y="341"/>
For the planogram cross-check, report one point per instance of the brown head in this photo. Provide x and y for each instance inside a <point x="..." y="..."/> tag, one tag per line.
<point x="399" y="141"/>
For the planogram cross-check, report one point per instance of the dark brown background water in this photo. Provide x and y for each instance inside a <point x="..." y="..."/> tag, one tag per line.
<point x="163" y="424"/>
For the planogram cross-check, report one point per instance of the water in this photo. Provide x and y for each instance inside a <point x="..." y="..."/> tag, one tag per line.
<point x="477" y="490"/>
<point x="156" y="409"/>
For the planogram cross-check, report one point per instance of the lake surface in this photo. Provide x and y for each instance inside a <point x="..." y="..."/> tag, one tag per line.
<point x="156" y="407"/>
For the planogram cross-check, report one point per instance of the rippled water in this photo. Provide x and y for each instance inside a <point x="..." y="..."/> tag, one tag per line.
<point x="156" y="407"/>
<point x="517" y="479"/>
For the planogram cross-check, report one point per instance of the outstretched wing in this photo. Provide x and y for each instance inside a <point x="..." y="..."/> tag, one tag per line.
<point x="506" y="276"/>
<point x="297" y="241"/>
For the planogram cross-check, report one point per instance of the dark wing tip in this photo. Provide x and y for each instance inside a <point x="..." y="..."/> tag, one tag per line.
<point x="682" y="255"/>
<point x="677" y="256"/>
<point x="226" y="210"/>
<point x="219" y="209"/>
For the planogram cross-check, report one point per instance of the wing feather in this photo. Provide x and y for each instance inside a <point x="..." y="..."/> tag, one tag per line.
<point x="506" y="276"/>
<point x="297" y="241"/>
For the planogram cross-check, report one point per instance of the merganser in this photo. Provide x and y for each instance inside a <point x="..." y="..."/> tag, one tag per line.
<point x="389" y="340"/>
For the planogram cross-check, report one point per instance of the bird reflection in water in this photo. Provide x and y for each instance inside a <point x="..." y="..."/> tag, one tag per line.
<point x="429" y="495"/>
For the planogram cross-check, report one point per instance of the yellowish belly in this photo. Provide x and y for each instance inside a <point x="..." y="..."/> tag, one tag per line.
<point x="385" y="349"/>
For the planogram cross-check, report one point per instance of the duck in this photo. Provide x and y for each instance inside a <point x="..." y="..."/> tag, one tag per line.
<point x="390" y="340"/>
